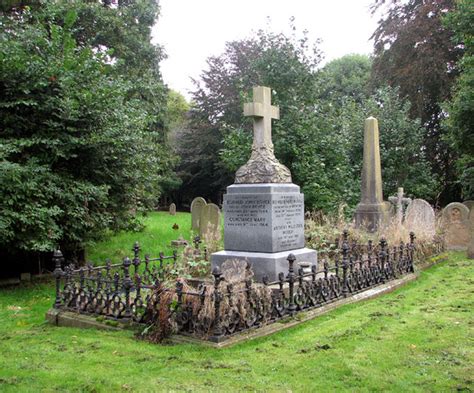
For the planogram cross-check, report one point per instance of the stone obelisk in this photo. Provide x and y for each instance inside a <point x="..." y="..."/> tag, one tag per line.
<point x="371" y="210"/>
<point x="263" y="209"/>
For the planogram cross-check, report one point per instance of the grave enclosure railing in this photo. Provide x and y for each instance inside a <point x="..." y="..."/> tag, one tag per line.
<point x="219" y="308"/>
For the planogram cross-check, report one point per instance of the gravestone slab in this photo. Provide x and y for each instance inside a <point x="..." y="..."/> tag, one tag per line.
<point x="209" y="222"/>
<point x="196" y="206"/>
<point x="420" y="218"/>
<point x="172" y="209"/>
<point x="469" y="204"/>
<point x="470" y="248"/>
<point x="455" y="221"/>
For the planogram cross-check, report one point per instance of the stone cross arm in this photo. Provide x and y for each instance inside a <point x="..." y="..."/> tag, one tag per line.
<point x="262" y="112"/>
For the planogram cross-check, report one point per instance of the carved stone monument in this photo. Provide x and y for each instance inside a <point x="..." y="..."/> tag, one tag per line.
<point x="456" y="226"/>
<point x="400" y="203"/>
<point x="263" y="210"/>
<point x="371" y="211"/>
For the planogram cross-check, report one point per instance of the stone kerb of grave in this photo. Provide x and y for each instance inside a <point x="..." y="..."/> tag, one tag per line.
<point x="196" y="206"/>
<point x="263" y="210"/>
<point x="455" y="222"/>
<point x="420" y="218"/>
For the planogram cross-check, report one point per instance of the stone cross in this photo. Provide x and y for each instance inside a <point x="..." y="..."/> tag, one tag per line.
<point x="399" y="201"/>
<point x="262" y="112"/>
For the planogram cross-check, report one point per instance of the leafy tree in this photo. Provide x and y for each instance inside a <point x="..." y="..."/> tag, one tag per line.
<point x="460" y="122"/>
<point x="414" y="51"/>
<point x="79" y="152"/>
<point x="344" y="86"/>
<point x="345" y="78"/>
<point x="320" y="133"/>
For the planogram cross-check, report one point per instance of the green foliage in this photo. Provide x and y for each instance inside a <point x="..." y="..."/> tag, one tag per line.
<point x="403" y="159"/>
<point x="320" y="132"/>
<point x="345" y="78"/>
<point x="79" y="151"/>
<point x="414" y="51"/>
<point x="460" y="122"/>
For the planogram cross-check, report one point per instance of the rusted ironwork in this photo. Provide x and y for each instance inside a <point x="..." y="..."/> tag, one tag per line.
<point x="115" y="293"/>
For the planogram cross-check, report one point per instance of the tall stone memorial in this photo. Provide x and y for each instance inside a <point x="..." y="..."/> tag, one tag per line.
<point x="371" y="211"/>
<point x="263" y="209"/>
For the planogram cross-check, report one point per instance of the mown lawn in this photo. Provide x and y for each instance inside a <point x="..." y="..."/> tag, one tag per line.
<point x="418" y="338"/>
<point x="155" y="238"/>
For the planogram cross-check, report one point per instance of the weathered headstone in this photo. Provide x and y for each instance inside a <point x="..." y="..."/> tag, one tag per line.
<point x="196" y="206"/>
<point x="470" y="247"/>
<point x="420" y="218"/>
<point x="400" y="202"/>
<point x="469" y="204"/>
<point x="263" y="210"/>
<point x="209" y="222"/>
<point x="371" y="211"/>
<point x="456" y="226"/>
<point x="172" y="209"/>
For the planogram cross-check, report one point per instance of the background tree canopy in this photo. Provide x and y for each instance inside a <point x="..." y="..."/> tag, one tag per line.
<point x="320" y="133"/>
<point x="90" y="136"/>
<point x="83" y="131"/>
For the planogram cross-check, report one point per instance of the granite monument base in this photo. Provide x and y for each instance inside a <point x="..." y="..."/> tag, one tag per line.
<point x="268" y="264"/>
<point x="371" y="216"/>
<point x="263" y="217"/>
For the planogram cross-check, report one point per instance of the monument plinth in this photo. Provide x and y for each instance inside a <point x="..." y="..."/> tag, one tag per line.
<point x="263" y="210"/>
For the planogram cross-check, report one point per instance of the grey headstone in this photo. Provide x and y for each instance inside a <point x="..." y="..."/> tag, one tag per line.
<point x="470" y="248"/>
<point x="209" y="221"/>
<point x="469" y="204"/>
<point x="420" y="218"/>
<point x="196" y="207"/>
<point x="455" y="221"/>
<point x="172" y="209"/>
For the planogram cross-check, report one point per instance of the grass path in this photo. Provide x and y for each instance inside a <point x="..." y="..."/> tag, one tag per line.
<point x="418" y="338"/>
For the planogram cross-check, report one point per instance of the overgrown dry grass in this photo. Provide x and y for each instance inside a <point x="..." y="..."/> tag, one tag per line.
<point x="323" y="233"/>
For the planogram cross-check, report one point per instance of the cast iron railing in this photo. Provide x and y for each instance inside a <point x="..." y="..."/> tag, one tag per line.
<point x="220" y="308"/>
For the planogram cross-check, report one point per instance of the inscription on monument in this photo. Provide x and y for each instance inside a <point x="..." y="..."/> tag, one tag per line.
<point x="267" y="223"/>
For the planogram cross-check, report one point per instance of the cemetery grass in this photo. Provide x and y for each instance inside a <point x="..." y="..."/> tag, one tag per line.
<point x="156" y="237"/>
<point x="417" y="338"/>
